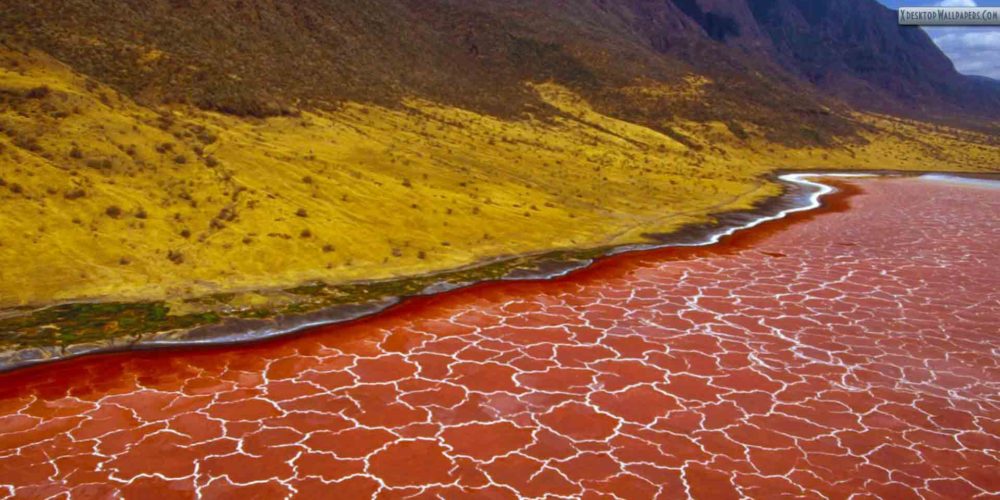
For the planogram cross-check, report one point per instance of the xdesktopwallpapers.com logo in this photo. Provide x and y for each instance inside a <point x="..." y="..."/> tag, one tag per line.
<point x="949" y="16"/>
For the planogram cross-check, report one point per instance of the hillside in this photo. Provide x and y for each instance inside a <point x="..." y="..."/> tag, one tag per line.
<point x="177" y="149"/>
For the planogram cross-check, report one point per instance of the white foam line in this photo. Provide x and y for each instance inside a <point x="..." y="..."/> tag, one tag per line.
<point x="954" y="179"/>
<point x="247" y="336"/>
<point x="800" y="179"/>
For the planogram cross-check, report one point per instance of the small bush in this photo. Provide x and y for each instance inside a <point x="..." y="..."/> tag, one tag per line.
<point x="175" y="256"/>
<point x="113" y="211"/>
<point x="206" y="137"/>
<point x="75" y="153"/>
<point x="164" y="121"/>
<point x="98" y="163"/>
<point x="180" y="159"/>
<point x="38" y="92"/>
<point x="302" y="213"/>
<point x="29" y="143"/>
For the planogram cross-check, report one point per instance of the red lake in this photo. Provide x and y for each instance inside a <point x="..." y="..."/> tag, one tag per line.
<point x="852" y="349"/>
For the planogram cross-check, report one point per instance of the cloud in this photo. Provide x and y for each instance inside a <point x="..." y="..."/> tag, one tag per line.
<point x="973" y="50"/>
<point x="957" y="3"/>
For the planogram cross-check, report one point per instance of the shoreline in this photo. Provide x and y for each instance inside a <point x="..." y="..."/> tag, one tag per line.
<point x="800" y="194"/>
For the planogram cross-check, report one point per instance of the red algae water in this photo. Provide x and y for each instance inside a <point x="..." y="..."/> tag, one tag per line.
<point x="849" y="350"/>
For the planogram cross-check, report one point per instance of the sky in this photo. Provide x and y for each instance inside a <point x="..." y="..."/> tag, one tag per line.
<point x="975" y="51"/>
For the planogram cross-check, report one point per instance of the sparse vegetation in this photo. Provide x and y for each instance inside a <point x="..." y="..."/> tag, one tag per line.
<point x="40" y="92"/>
<point x="175" y="256"/>
<point x="419" y="171"/>
<point x="98" y="163"/>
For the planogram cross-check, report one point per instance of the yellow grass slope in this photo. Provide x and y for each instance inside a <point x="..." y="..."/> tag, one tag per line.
<point x="106" y="199"/>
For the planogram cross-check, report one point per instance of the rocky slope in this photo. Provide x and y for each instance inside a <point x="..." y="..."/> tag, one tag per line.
<point x="263" y="58"/>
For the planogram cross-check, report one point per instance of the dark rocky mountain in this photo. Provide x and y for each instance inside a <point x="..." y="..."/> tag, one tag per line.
<point x="856" y="50"/>
<point x="770" y="62"/>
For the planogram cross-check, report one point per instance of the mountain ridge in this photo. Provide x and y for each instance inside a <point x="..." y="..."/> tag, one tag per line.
<point x="251" y="57"/>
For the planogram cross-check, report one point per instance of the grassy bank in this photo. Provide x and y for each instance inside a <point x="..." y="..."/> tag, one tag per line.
<point x="104" y="199"/>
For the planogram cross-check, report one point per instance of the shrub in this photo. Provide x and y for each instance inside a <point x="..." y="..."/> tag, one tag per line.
<point x="98" y="163"/>
<point x="113" y="211"/>
<point x="29" y="143"/>
<point x="38" y="92"/>
<point x="206" y="137"/>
